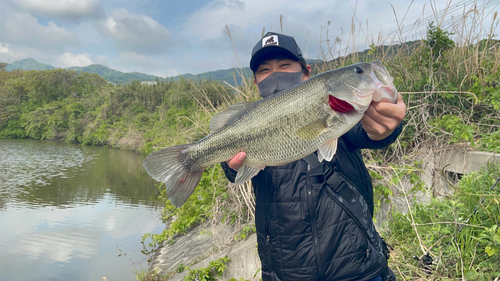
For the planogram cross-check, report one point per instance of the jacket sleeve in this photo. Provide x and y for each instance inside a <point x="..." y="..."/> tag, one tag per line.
<point x="230" y="173"/>
<point x="357" y="138"/>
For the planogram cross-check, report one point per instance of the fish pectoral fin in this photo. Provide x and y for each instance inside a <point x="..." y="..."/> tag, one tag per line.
<point x="312" y="130"/>
<point x="327" y="151"/>
<point x="222" y="118"/>
<point x="245" y="173"/>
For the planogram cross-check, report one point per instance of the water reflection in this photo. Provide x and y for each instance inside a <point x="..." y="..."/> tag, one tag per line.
<point x="76" y="174"/>
<point x="67" y="212"/>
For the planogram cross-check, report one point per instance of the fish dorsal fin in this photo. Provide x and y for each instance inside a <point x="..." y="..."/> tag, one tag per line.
<point x="327" y="151"/>
<point x="220" y="119"/>
<point x="245" y="173"/>
<point x="312" y="130"/>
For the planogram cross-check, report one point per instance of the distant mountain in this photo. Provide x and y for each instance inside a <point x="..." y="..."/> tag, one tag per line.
<point x="231" y="76"/>
<point x="118" y="77"/>
<point x="228" y="75"/>
<point x="28" y="64"/>
<point x="115" y="76"/>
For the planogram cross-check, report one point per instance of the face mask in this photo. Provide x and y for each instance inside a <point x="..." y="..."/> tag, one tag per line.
<point x="277" y="82"/>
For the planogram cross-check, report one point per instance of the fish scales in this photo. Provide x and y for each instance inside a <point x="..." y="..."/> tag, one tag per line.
<point x="267" y="135"/>
<point x="277" y="130"/>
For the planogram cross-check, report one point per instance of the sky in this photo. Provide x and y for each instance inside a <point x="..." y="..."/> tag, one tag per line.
<point x="172" y="37"/>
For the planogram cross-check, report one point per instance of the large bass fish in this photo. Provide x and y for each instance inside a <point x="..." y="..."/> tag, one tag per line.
<point x="276" y="130"/>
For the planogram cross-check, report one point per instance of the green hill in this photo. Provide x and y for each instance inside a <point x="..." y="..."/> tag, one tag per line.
<point x="231" y="76"/>
<point x="115" y="76"/>
<point x="227" y="75"/>
<point x="111" y="75"/>
<point x="118" y="77"/>
<point x="28" y="64"/>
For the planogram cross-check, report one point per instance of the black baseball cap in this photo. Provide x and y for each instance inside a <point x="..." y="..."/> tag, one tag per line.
<point x="273" y="43"/>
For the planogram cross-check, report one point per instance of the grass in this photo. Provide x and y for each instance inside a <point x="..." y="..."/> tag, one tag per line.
<point x="461" y="242"/>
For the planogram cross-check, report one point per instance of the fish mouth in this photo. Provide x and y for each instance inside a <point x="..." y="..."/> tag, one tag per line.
<point x="384" y="90"/>
<point x="361" y="99"/>
<point x="339" y="105"/>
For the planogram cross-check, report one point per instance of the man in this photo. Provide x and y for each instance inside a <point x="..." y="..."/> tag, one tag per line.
<point x="305" y="228"/>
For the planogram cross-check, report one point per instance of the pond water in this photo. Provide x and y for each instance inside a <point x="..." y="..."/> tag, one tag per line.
<point x="72" y="212"/>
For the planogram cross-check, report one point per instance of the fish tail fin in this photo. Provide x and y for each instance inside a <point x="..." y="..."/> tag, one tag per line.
<point x="167" y="166"/>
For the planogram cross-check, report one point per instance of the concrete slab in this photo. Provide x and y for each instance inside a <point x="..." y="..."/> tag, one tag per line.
<point x="206" y="243"/>
<point x="464" y="162"/>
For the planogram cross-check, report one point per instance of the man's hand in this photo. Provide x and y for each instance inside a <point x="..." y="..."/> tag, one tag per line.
<point x="382" y="118"/>
<point x="236" y="162"/>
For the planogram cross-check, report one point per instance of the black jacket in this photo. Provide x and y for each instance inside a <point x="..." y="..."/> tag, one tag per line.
<point x="305" y="230"/>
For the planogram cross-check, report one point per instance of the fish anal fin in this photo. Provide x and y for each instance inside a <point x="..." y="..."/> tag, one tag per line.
<point x="245" y="173"/>
<point x="312" y="130"/>
<point x="222" y="118"/>
<point x="327" y="151"/>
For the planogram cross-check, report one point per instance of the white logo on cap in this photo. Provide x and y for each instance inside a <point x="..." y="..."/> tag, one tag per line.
<point x="270" y="40"/>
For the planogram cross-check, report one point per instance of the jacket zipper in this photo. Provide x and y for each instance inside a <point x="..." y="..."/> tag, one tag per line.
<point x="268" y="243"/>
<point x="363" y="230"/>
<point x="268" y="249"/>
<point x="313" y="226"/>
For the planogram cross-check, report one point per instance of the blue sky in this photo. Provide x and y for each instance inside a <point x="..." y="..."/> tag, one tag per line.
<point x="168" y="38"/>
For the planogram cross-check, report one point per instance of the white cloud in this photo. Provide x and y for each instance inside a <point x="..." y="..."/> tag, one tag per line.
<point x="72" y="10"/>
<point x="4" y="48"/>
<point x="68" y="60"/>
<point x="135" y="33"/>
<point x="209" y="21"/>
<point x="303" y="20"/>
<point x="24" y="30"/>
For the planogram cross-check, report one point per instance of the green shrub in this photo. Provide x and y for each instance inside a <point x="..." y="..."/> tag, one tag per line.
<point x="216" y="268"/>
<point x="442" y="229"/>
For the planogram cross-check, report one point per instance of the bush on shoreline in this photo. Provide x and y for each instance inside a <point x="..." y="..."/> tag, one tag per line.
<point x="82" y="108"/>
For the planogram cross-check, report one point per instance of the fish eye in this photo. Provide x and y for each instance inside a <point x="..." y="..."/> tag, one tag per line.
<point x="358" y="70"/>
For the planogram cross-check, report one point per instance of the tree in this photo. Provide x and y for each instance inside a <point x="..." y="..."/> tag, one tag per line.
<point x="438" y="40"/>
